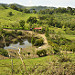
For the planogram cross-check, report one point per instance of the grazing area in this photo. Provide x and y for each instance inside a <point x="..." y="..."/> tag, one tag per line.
<point x="48" y="65"/>
<point x="37" y="40"/>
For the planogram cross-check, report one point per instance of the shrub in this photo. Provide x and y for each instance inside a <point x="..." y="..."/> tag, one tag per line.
<point x="64" y="59"/>
<point x="41" y="53"/>
<point x="38" y="42"/>
<point x="56" y="50"/>
<point x="10" y="13"/>
<point x="52" y="32"/>
<point x="72" y="47"/>
<point x="8" y="33"/>
<point x="3" y="52"/>
<point x="33" y="40"/>
<point x="0" y="37"/>
<point x="13" y="32"/>
<point x="19" y="33"/>
<point x="7" y="38"/>
<point x="22" y="23"/>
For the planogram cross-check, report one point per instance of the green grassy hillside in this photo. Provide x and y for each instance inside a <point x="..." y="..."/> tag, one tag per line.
<point x="6" y="20"/>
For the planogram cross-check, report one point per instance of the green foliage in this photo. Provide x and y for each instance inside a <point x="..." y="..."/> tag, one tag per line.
<point x="1" y="30"/>
<point x="10" y="13"/>
<point x="48" y="65"/>
<point x="43" y="30"/>
<point x="4" y="6"/>
<point x="34" y="11"/>
<point x="56" y="50"/>
<point x="59" y="40"/>
<point x="19" y="33"/>
<point x="64" y="58"/>
<point x="61" y="10"/>
<point x="3" y="52"/>
<point x="47" y="32"/>
<point x="68" y="10"/>
<point x="38" y="42"/>
<point x="32" y="20"/>
<point x="7" y="38"/>
<point x="26" y="11"/>
<point x="13" y="6"/>
<point x="50" y="21"/>
<point x="41" y="53"/>
<point x="33" y="40"/>
<point x="0" y="37"/>
<point x="71" y="47"/>
<point x="52" y="32"/>
<point x="42" y="17"/>
<point x="22" y="23"/>
<point x="13" y="32"/>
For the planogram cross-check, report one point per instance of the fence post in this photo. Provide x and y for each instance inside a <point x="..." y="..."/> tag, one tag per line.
<point x="12" y="66"/>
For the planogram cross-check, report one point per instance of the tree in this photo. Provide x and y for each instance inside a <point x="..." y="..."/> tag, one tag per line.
<point x="47" y="32"/>
<point x="32" y="20"/>
<point x="5" y="6"/>
<point x="70" y="10"/>
<point x="10" y="13"/>
<point x="61" y="10"/>
<point x="34" y="11"/>
<point x="22" y="23"/>
<point x="12" y="6"/>
<point x="3" y="52"/>
<point x="38" y="42"/>
<point x="33" y="40"/>
<point x="41" y="53"/>
<point x="26" y="11"/>
<point x="42" y="17"/>
<point x="50" y="21"/>
<point x="20" y="9"/>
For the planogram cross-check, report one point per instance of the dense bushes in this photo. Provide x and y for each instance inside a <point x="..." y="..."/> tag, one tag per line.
<point x="3" y="52"/>
<point x="41" y="53"/>
<point x="64" y="58"/>
<point x="59" y="40"/>
<point x="38" y="42"/>
<point x="22" y="23"/>
<point x="10" y="13"/>
<point x="19" y="33"/>
<point x="9" y="37"/>
<point x="56" y="50"/>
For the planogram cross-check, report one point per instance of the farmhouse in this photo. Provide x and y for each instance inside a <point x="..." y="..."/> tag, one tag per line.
<point x="40" y="28"/>
<point x="37" y="29"/>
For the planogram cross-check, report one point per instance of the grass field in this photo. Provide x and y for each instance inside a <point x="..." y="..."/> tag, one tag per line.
<point x="31" y="64"/>
<point x="71" y="37"/>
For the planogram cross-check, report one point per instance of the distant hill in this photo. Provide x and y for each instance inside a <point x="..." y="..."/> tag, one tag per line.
<point x="37" y="8"/>
<point x="18" y="5"/>
<point x="3" y="4"/>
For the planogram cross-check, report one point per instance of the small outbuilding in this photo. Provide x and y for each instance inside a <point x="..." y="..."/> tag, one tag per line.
<point x="40" y="28"/>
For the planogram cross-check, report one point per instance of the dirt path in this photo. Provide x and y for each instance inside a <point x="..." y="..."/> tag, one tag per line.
<point x="37" y="35"/>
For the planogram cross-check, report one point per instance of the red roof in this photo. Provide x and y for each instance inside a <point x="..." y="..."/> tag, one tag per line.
<point x="38" y="28"/>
